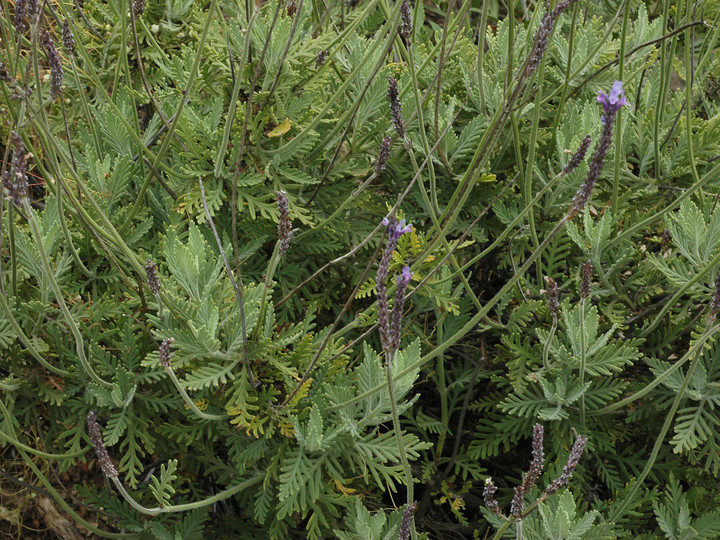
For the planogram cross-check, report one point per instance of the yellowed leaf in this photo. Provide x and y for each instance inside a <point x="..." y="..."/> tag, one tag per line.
<point x="345" y="491"/>
<point x="281" y="129"/>
<point x="486" y="178"/>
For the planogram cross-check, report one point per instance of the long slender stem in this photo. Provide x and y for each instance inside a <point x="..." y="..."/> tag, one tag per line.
<point x="225" y="494"/>
<point x="398" y="432"/>
<point x="619" y="511"/>
<point x="237" y="286"/>
<point x="50" y="488"/>
<point x="619" y="117"/>
<point x="583" y="359"/>
<point x="694" y="349"/>
<point x="189" y="402"/>
<point x="176" y="117"/>
<point x="79" y="342"/>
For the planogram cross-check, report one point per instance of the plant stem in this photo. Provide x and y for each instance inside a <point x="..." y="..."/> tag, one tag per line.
<point x="619" y="510"/>
<point x="583" y="359"/>
<point x="226" y="494"/>
<point x="79" y="342"/>
<point x="398" y="434"/>
<point x="189" y="402"/>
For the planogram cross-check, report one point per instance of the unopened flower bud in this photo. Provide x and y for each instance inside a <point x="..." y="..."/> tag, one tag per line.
<point x="284" y="223"/>
<point x="395" y="106"/>
<point x="164" y="352"/>
<point x="152" y="277"/>
<point x="572" y="462"/>
<point x="96" y="437"/>
<point x="406" y="23"/>
<point x="383" y="154"/>
<point x="552" y="296"/>
<point x="67" y="38"/>
<point x="489" y="496"/>
<point x="138" y="7"/>
<point x="406" y="521"/>
<point x="56" y="70"/>
<point x="585" y="279"/>
<point x="542" y="36"/>
<point x="578" y="156"/>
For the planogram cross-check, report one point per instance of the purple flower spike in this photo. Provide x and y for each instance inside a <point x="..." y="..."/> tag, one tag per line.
<point x="396" y="229"/>
<point x="404" y="279"/>
<point x="612" y="103"/>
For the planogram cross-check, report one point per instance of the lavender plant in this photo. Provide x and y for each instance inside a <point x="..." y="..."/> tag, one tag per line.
<point x="198" y="241"/>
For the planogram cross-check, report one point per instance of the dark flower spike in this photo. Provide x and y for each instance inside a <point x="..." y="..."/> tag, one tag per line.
<point x="406" y="520"/>
<point x="715" y="301"/>
<point x="56" y="70"/>
<point x="25" y="10"/>
<point x="394" y="231"/>
<point x="284" y="223"/>
<point x="138" y="7"/>
<point x="489" y="496"/>
<point x="585" y="280"/>
<point x="611" y="104"/>
<point x="538" y="458"/>
<point x="152" y="277"/>
<point x="68" y="40"/>
<point x="536" y="466"/>
<point x="397" y="310"/>
<point x="395" y="107"/>
<point x="16" y="181"/>
<point x="577" y="157"/>
<point x="542" y="36"/>
<point x="518" y="503"/>
<point x="553" y="296"/>
<point x="383" y="154"/>
<point x="406" y="23"/>
<point x="96" y="437"/>
<point x="572" y="462"/>
<point x="164" y="352"/>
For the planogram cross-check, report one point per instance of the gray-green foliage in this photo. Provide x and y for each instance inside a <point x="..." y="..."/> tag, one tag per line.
<point x="280" y="382"/>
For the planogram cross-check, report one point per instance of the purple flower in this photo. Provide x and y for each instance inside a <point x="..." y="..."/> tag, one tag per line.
<point x="404" y="279"/>
<point x="612" y="103"/>
<point x="396" y="229"/>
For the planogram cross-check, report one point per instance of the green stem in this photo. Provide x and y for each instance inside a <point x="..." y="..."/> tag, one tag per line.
<point x="226" y="494"/>
<point x="10" y="317"/>
<point x="546" y="347"/>
<point x="619" y="511"/>
<point x="189" y="402"/>
<point x="230" y="116"/>
<point x="442" y="390"/>
<point x="583" y="359"/>
<point x="79" y="343"/>
<point x="694" y="349"/>
<point x="176" y="118"/>
<point x="50" y="489"/>
<point x="670" y="303"/>
<point x="398" y="433"/>
<point x="618" y="119"/>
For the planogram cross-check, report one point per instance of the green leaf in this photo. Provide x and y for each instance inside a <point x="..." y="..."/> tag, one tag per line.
<point x="162" y="488"/>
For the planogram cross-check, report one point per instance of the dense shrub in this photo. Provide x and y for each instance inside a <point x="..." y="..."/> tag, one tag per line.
<point x="212" y="207"/>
